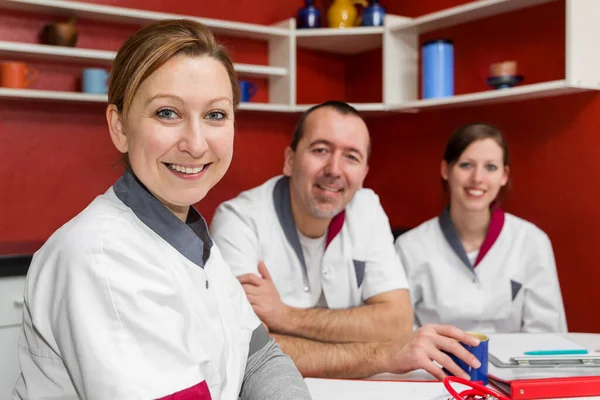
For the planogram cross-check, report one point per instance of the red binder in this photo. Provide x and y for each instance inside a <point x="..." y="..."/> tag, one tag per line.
<point x="549" y="388"/>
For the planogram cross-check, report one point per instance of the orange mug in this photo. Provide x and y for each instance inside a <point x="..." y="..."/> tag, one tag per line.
<point x="18" y="75"/>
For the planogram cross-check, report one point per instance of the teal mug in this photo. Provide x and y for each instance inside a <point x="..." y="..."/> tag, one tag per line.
<point x="94" y="80"/>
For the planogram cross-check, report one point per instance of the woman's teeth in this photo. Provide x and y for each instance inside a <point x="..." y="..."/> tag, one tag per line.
<point x="185" y="170"/>
<point x="475" y="192"/>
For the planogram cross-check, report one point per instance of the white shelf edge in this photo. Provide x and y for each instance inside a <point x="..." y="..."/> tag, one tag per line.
<point x="128" y="15"/>
<point x="465" y="13"/>
<point x="355" y="31"/>
<point x="361" y="107"/>
<point x="34" y="94"/>
<point x="535" y="90"/>
<point x="32" y="50"/>
<point x="259" y="70"/>
<point x="54" y="95"/>
<point x="265" y="107"/>
<point x="57" y="52"/>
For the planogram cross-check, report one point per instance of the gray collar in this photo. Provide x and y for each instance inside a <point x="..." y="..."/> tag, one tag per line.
<point x="452" y="237"/>
<point x="191" y="238"/>
<point x="283" y="209"/>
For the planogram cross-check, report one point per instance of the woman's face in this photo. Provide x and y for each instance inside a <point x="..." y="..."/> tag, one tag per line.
<point x="476" y="178"/>
<point x="178" y="132"/>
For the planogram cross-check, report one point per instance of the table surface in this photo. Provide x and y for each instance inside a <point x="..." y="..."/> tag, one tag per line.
<point x="590" y="341"/>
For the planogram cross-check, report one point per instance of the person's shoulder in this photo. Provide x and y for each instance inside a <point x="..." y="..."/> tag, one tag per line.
<point x="423" y="232"/>
<point x="253" y="197"/>
<point x="527" y="228"/>
<point x="364" y="199"/>
<point x="86" y="234"/>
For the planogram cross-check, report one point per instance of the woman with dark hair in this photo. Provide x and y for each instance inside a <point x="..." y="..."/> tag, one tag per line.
<point x="475" y="266"/>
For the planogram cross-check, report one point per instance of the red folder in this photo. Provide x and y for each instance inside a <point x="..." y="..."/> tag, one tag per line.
<point x="549" y="388"/>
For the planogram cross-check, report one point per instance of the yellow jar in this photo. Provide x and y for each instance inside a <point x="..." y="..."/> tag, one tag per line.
<point x="343" y="13"/>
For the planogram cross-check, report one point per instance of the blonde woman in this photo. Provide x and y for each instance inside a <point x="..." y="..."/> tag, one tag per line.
<point x="131" y="299"/>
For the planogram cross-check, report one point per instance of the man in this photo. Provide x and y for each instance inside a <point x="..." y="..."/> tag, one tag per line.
<point x="331" y="289"/>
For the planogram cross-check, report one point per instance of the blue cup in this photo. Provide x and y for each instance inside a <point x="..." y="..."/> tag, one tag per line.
<point x="95" y="80"/>
<point x="481" y="353"/>
<point x="247" y="90"/>
<point x="437" y="58"/>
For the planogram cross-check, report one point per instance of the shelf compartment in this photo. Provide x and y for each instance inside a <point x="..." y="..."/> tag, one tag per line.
<point x="465" y="13"/>
<point x="340" y="41"/>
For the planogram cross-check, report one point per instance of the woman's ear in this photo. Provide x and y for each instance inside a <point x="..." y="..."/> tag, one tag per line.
<point x="506" y="175"/>
<point x="444" y="170"/>
<point x="115" y="126"/>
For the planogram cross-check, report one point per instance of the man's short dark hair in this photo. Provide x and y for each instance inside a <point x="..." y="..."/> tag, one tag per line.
<point x="339" y="106"/>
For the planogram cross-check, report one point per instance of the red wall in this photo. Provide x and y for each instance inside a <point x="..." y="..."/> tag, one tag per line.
<point x="55" y="158"/>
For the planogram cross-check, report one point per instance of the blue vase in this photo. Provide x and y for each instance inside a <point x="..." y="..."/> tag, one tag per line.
<point x="373" y="15"/>
<point x="309" y="16"/>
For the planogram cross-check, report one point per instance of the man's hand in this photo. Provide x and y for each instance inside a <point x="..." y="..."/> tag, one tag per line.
<point x="427" y="345"/>
<point x="264" y="298"/>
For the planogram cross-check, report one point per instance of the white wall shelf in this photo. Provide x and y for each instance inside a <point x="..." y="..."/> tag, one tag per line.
<point x="55" y="53"/>
<point x="103" y="57"/>
<point x="466" y="13"/>
<point x="101" y="12"/>
<point x="362" y="107"/>
<point x="76" y="97"/>
<point x="518" y="93"/>
<point x="398" y="40"/>
<point x="340" y="41"/>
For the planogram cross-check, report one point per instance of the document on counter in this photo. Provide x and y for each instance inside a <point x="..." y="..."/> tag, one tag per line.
<point x="327" y="389"/>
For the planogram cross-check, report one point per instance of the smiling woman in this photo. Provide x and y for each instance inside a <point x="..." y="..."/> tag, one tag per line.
<point x="475" y="266"/>
<point x="131" y="299"/>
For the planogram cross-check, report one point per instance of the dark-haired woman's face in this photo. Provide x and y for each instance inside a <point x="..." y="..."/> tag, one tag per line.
<point x="476" y="178"/>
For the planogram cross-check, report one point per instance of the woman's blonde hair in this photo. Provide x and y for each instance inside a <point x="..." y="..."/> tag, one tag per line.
<point x="155" y="44"/>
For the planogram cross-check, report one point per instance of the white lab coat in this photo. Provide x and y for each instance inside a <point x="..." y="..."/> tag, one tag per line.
<point x="359" y="262"/>
<point x="113" y="310"/>
<point x="514" y="287"/>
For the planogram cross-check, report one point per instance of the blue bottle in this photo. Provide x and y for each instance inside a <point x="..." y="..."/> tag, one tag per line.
<point x="374" y="14"/>
<point x="309" y="16"/>
<point x="437" y="58"/>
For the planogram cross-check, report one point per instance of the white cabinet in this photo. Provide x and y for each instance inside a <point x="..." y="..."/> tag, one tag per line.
<point x="11" y="311"/>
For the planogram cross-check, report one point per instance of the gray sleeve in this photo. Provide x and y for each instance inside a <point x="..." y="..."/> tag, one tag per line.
<point x="272" y="375"/>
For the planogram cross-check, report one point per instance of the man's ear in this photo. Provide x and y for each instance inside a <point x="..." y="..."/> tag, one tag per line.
<point x="288" y="162"/>
<point x="115" y="126"/>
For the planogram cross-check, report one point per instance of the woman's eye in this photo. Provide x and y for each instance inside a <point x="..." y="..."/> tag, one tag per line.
<point x="491" y="167"/>
<point x="166" y="113"/>
<point x="216" y="115"/>
<point x="464" y="165"/>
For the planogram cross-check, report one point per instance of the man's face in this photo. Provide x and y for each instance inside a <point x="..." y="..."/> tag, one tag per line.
<point x="330" y="162"/>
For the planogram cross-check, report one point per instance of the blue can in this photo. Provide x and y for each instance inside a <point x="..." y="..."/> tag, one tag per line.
<point x="437" y="58"/>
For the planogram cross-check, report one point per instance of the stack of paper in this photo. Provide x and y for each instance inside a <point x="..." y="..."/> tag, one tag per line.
<point x="511" y="349"/>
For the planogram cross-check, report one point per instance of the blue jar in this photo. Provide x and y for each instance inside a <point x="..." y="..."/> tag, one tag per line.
<point x="373" y="15"/>
<point x="309" y="16"/>
<point x="437" y="72"/>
